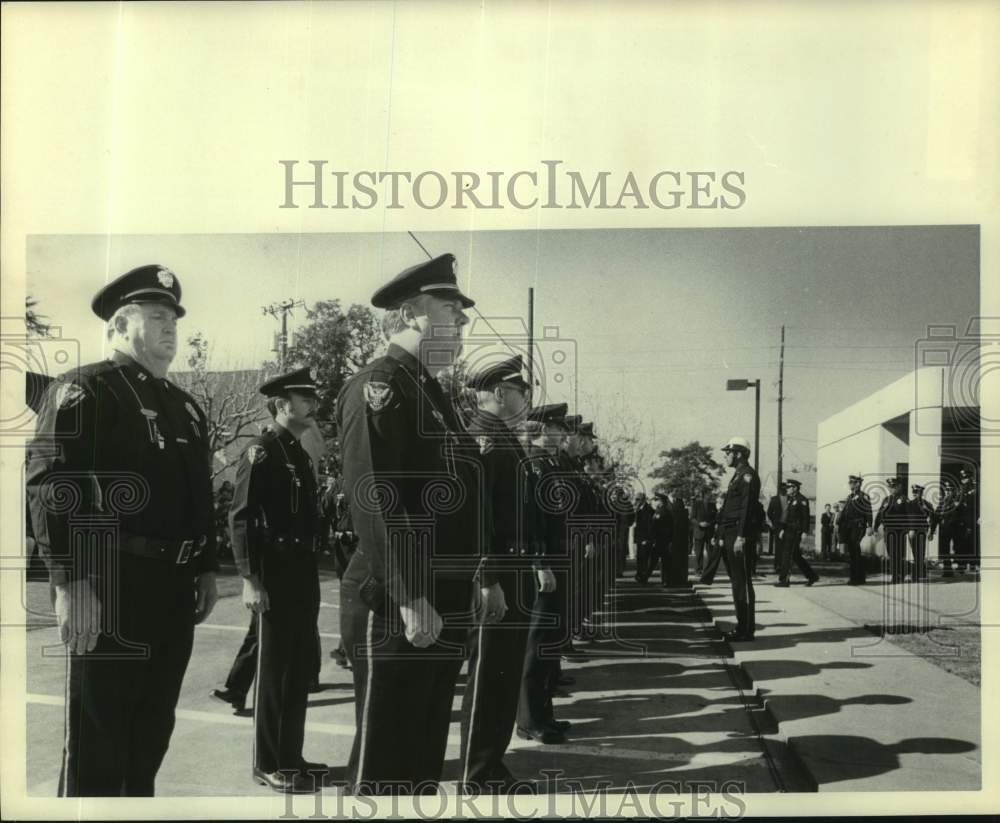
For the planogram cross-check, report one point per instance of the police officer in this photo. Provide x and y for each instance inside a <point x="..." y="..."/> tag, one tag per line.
<point x="894" y="517"/>
<point x="967" y="522"/>
<point x="643" y="537"/>
<point x="703" y="513"/>
<point x="497" y="650"/>
<point x="922" y="520"/>
<point x="738" y="529"/>
<point x="274" y="520"/>
<point x="797" y="520"/>
<point x="946" y="522"/>
<point x="120" y="488"/>
<point x="548" y="631"/>
<point x="855" y="523"/>
<point x="413" y="479"/>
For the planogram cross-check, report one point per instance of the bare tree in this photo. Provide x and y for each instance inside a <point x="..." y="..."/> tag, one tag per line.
<point x="623" y="438"/>
<point x="233" y="406"/>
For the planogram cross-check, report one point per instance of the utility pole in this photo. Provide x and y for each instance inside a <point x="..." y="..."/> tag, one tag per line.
<point x="282" y="308"/>
<point x="781" y="398"/>
<point x="531" y="338"/>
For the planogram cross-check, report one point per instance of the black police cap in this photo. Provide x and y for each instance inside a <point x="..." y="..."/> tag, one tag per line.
<point x="438" y="276"/>
<point x="893" y="481"/>
<point x="573" y="422"/>
<point x="550" y="413"/>
<point x="302" y="381"/>
<point x="145" y="284"/>
<point x="854" y="478"/>
<point x="587" y="429"/>
<point x="506" y="371"/>
<point x="791" y="481"/>
<point x="916" y="487"/>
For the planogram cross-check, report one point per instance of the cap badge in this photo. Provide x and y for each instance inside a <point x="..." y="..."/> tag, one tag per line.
<point x="166" y="278"/>
<point x="378" y="395"/>
<point x="256" y="454"/>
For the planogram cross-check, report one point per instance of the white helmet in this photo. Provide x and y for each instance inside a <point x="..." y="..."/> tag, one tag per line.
<point x="737" y="443"/>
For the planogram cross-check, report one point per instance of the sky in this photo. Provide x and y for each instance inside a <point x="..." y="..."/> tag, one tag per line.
<point x="655" y="321"/>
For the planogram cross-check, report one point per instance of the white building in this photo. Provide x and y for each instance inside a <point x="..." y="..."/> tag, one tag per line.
<point x="913" y="428"/>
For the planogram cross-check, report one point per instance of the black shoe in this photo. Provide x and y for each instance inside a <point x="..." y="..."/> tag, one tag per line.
<point x="286" y="784"/>
<point x="706" y="581"/>
<point x="229" y="696"/>
<point x="737" y="637"/>
<point x="782" y="584"/>
<point x="811" y="580"/>
<point x="315" y="686"/>
<point x="548" y="736"/>
<point x="561" y="726"/>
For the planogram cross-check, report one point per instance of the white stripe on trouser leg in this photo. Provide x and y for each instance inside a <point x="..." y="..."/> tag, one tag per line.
<point x="363" y="731"/>
<point x="66" y="721"/>
<point x="475" y="701"/>
<point x="256" y="690"/>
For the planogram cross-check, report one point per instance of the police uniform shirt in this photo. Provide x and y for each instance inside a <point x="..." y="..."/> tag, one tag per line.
<point x="922" y="514"/>
<point x="894" y="512"/>
<point x="408" y="464"/>
<point x="275" y="497"/>
<point x="550" y="491"/>
<point x="856" y="512"/>
<point x="506" y="500"/>
<point x="111" y="419"/>
<point x="739" y="506"/>
<point x="798" y="517"/>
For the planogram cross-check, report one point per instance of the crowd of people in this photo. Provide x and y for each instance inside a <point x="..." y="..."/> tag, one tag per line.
<point x="486" y="537"/>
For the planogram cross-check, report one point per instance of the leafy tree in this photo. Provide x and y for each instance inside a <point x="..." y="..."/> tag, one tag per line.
<point x="33" y="321"/>
<point x="335" y="344"/>
<point x="690" y="468"/>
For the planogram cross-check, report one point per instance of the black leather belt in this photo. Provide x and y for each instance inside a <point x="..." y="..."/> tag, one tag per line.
<point x="180" y="552"/>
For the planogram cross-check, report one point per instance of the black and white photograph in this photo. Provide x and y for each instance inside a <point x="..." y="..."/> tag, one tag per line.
<point x="391" y="428"/>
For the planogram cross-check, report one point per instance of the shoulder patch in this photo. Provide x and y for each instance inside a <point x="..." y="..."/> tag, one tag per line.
<point x="485" y="444"/>
<point x="378" y="395"/>
<point x="69" y="395"/>
<point x="747" y="477"/>
<point x="256" y="454"/>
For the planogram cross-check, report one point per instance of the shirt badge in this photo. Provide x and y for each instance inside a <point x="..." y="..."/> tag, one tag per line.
<point x="166" y="278"/>
<point x="256" y="454"/>
<point x="378" y="395"/>
<point x="68" y="395"/>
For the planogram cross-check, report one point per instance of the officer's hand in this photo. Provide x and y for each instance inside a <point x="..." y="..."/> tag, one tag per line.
<point x="78" y="614"/>
<point x="255" y="596"/>
<point x="912" y="535"/>
<point x="491" y="604"/>
<point x="588" y="551"/>
<point x="423" y="623"/>
<point x="868" y="532"/>
<point x="738" y="545"/>
<point x="546" y="580"/>
<point x="206" y="595"/>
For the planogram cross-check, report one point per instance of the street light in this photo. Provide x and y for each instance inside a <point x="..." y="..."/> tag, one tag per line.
<point x="743" y="385"/>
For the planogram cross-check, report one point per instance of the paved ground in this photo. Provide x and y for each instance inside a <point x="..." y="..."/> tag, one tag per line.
<point x="835" y="669"/>
<point x="658" y="703"/>
<point x="823" y="700"/>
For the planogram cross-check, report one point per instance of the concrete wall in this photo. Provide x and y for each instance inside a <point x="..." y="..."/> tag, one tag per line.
<point x="856" y="441"/>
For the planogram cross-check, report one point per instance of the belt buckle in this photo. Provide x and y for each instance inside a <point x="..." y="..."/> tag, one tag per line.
<point x="185" y="552"/>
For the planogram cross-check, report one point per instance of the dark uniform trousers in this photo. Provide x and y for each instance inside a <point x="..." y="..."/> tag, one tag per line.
<point x="918" y="547"/>
<point x="895" y="553"/>
<point x="494" y="684"/>
<point x="410" y="690"/>
<point x="121" y="696"/>
<point x="546" y="635"/>
<point x="244" y="668"/>
<point x="286" y="648"/>
<point x="740" y="571"/>
<point x="791" y="549"/>
<point x="716" y="555"/>
<point x="853" y="535"/>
